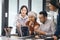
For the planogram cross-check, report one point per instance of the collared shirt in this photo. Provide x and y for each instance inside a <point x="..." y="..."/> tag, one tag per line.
<point x="22" y="20"/>
<point x="53" y="16"/>
<point x="48" y="27"/>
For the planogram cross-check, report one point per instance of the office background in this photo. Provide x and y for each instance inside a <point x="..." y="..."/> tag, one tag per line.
<point x="10" y="8"/>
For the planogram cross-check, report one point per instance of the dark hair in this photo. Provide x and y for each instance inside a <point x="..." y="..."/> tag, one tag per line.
<point x="54" y="3"/>
<point x="44" y="13"/>
<point x="22" y="8"/>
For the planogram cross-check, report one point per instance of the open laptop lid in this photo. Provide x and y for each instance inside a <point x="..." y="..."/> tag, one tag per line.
<point x="24" y="31"/>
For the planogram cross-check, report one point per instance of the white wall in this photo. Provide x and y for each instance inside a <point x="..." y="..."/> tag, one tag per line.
<point x="0" y="15"/>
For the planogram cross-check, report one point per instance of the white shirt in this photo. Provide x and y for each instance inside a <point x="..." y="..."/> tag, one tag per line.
<point x="53" y="15"/>
<point x="22" y="20"/>
<point x="48" y="27"/>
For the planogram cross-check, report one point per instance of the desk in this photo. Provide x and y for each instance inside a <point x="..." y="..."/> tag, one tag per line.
<point x="33" y="38"/>
<point x="17" y="38"/>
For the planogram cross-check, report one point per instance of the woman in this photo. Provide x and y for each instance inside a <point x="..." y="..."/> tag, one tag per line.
<point x="32" y="24"/>
<point x="53" y="12"/>
<point x="22" y="17"/>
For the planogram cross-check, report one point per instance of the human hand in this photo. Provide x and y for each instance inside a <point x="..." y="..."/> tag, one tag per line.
<point x="29" y="32"/>
<point x="36" y="36"/>
<point x="18" y="24"/>
<point x="30" y="23"/>
<point x="55" y="38"/>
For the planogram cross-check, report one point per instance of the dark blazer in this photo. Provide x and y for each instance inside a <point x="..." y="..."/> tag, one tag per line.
<point x="57" y="32"/>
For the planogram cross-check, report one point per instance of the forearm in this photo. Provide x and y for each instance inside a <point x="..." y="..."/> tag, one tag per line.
<point x="40" y="32"/>
<point x="50" y="33"/>
<point x="5" y="30"/>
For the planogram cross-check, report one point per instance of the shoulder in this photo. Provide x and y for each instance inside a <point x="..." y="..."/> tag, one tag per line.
<point x="26" y="16"/>
<point x="36" y="23"/>
<point x="49" y="12"/>
<point x="18" y="15"/>
<point x="49" y="21"/>
<point x="27" y="22"/>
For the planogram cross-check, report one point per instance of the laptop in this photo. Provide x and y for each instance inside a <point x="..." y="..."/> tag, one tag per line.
<point x="24" y="31"/>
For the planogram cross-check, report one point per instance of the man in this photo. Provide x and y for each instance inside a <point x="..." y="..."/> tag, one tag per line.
<point x="47" y="27"/>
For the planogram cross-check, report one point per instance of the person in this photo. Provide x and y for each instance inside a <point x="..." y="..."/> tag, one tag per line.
<point x="32" y="23"/>
<point x="57" y="32"/>
<point x="53" y="12"/>
<point x="47" y="27"/>
<point x="21" y="18"/>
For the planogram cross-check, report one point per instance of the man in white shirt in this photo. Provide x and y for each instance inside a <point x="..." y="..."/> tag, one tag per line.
<point x="47" y="27"/>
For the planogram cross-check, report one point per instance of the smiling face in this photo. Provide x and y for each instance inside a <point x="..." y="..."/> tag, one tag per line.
<point x="31" y="18"/>
<point x="23" y="11"/>
<point x="51" y="7"/>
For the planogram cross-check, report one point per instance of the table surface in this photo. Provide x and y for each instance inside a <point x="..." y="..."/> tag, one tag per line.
<point x="16" y="38"/>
